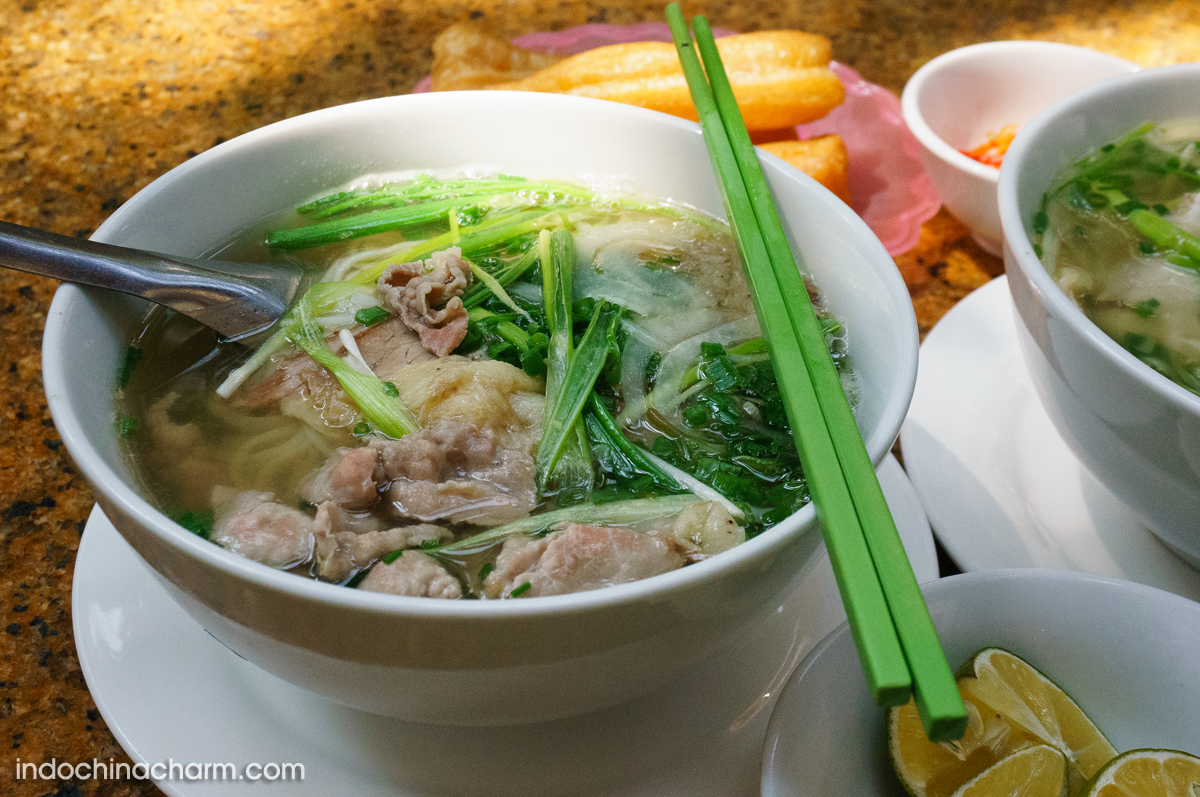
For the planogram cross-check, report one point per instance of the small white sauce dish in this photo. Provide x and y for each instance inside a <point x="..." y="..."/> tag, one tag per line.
<point x="1127" y="653"/>
<point x="959" y="99"/>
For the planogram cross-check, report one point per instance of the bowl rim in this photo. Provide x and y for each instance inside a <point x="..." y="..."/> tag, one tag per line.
<point x="910" y="98"/>
<point x="654" y="590"/>
<point x="1018" y="243"/>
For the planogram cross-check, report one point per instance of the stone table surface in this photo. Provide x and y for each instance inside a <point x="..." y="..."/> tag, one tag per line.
<point x="100" y="97"/>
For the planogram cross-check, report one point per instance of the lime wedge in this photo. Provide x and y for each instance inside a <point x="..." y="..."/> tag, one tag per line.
<point x="938" y="769"/>
<point x="1147" y="773"/>
<point x="1038" y="771"/>
<point x="1010" y="688"/>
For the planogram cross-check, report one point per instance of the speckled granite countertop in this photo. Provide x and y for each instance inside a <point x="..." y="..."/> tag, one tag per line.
<point x="99" y="97"/>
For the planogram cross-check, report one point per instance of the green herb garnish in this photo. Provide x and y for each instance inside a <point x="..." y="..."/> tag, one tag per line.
<point x="133" y="356"/>
<point x="369" y="316"/>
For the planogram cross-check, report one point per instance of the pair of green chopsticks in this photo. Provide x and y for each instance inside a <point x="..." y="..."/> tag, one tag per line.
<point x="896" y="641"/>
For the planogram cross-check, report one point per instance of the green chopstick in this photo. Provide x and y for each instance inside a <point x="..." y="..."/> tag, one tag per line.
<point x="937" y="698"/>
<point x="886" y="671"/>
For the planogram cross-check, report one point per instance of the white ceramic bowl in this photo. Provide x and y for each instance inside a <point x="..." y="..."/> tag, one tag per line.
<point x="956" y="100"/>
<point x="1134" y="429"/>
<point x="462" y="662"/>
<point x="1128" y="654"/>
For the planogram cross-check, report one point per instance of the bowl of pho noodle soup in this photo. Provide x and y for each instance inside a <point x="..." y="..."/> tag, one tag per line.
<point x="1101" y="223"/>
<point x="529" y="387"/>
<point x="517" y="452"/>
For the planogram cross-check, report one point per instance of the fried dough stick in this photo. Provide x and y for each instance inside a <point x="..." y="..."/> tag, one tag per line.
<point x="780" y="78"/>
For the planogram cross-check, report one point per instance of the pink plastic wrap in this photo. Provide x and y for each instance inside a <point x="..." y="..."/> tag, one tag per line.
<point x="888" y="186"/>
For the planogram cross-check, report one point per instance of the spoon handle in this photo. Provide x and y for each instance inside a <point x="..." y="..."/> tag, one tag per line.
<point x="234" y="299"/>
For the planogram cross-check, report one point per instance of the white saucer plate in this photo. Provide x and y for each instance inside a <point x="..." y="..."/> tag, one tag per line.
<point x="170" y="692"/>
<point x="1000" y="486"/>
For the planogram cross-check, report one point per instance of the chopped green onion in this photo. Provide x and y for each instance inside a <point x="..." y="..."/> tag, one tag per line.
<point x="133" y="355"/>
<point x="369" y="316"/>
<point x="128" y="426"/>
<point x="520" y="590"/>
<point x="1145" y="309"/>
<point x="198" y="523"/>
<point x="392" y="556"/>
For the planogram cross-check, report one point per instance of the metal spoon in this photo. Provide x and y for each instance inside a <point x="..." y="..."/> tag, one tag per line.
<point x="235" y="299"/>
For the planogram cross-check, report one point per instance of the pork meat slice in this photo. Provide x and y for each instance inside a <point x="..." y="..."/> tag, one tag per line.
<point x="256" y="526"/>
<point x="458" y="473"/>
<point x="386" y="347"/>
<point x="427" y="295"/>
<point x="413" y="574"/>
<point x="581" y="558"/>
<point x="346" y="542"/>
<point x="350" y="478"/>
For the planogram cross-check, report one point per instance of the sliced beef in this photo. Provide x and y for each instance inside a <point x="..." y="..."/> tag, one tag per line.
<point x="389" y="346"/>
<point x="349" y="478"/>
<point x="456" y="472"/>
<point x="580" y="558"/>
<point x="413" y="574"/>
<point x="427" y="297"/>
<point x="386" y="347"/>
<point x="254" y="525"/>
<point x="346" y="542"/>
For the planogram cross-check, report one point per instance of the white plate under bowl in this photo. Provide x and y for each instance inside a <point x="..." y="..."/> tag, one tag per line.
<point x="1001" y="488"/>
<point x="169" y="691"/>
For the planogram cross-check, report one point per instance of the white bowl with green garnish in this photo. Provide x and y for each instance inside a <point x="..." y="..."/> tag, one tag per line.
<point x="463" y="662"/>
<point x="1107" y="335"/>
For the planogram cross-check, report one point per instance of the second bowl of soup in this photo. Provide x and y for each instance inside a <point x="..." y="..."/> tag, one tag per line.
<point x="1098" y="198"/>
<point x="516" y="458"/>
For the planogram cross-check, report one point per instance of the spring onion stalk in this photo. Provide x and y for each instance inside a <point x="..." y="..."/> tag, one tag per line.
<point x="478" y="294"/>
<point x="482" y="236"/>
<point x="425" y="188"/>
<point x="557" y="254"/>
<point x="603" y="430"/>
<point x="496" y="288"/>
<point x="383" y="411"/>
<point x="504" y="328"/>
<point x="238" y="376"/>
<point x="615" y="512"/>
<point x="663" y="472"/>
<point x="319" y="300"/>
<point x="1178" y="246"/>
<point x="566" y="448"/>
<point x="327" y="232"/>
<point x="586" y="363"/>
